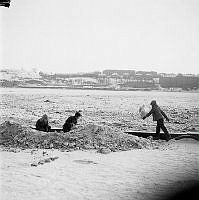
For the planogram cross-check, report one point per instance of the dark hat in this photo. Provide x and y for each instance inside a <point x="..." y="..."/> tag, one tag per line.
<point x="45" y="117"/>
<point x="153" y="102"/>
<point x="78" y="114"/>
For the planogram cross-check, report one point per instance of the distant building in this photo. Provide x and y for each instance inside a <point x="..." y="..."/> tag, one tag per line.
<point x="180" y="81"/>
<point x="146" y="72"/>
<point x="110" y="72"/>
<point x="167" y="75"/>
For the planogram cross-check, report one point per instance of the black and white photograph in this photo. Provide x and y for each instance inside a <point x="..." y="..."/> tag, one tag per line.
<point x="99" y="99"/>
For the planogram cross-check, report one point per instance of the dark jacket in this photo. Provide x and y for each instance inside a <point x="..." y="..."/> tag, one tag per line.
<point x="69" y="123"/>
<point x="157" y="113"/>
<point x="42" y="125"/>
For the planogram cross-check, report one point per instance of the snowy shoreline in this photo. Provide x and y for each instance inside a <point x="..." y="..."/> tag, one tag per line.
<point x="136" y="174"/>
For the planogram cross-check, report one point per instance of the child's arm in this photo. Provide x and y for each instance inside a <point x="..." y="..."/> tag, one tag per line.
<point x="148" y="114"/>
<point x="163" y="113"/>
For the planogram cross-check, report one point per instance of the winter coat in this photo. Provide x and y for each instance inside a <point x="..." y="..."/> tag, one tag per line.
<point x="157" y="113"/>
<point x="42" y="125"/>
<point x="69" y="123"/>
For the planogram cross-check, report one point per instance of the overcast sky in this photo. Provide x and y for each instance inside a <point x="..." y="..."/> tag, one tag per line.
<point x="92" y="35"/>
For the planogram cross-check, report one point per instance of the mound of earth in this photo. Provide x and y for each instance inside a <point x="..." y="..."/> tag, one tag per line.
<point x="101" y="138"/>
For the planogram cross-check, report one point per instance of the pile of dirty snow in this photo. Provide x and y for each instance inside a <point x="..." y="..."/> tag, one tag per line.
<point x="101" y="138"/>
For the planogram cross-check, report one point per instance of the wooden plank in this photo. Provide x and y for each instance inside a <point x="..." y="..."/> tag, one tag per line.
<point x="51" y="130"/>
<point x="146" y="134"/>
<point x="187" y="136"/>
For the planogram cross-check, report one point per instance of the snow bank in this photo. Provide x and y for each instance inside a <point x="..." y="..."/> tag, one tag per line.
<point x="102" y="138"/>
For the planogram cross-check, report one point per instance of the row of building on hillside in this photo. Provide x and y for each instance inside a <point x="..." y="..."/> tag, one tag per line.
<point x="184" y="82"/>
<point x="122" y="79"/>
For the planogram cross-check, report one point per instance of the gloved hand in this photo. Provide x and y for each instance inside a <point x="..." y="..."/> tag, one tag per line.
<point x="144" y="117"/>
<point x="167" y="119"/>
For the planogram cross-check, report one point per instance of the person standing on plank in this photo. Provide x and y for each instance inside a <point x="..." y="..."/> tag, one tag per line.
<point x="158" y="115"/>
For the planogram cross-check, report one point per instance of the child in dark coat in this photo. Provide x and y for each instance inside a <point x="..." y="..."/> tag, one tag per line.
<point x="158" y="115"/>
<point x="42" y="124"/>
<point x="71" y="122"/>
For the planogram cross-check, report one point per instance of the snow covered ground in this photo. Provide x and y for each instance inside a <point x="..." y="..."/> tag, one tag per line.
<point x="136" y="174"/>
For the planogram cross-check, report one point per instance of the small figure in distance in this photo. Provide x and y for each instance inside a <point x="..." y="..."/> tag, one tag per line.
<point x="71" y="122"/>
<point x="42" y="124"/>
<point x="158" y="115"/>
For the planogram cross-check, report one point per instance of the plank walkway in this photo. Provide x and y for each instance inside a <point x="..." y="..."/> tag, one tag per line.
<point x="180" y="135"/>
